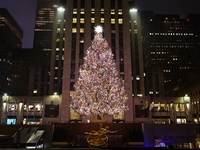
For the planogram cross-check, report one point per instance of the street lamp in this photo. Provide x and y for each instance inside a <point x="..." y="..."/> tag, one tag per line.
<point x="133" y="10"/>
<point x="61" y="9"/>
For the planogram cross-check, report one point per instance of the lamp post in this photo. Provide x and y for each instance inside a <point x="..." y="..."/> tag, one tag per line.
<point x="4" y="108"/>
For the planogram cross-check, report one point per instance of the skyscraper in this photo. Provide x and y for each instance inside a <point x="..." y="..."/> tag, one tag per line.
<point x="45" y="39"/>
<point x="44" y="24"/>
<point x="12" y="71"/>
<point x="170" y="50"/>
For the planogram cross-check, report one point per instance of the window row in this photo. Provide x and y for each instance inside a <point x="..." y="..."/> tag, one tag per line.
<point x="26" y="107"/>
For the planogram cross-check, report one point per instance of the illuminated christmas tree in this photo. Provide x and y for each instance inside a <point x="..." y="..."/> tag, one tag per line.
<point x="99" y="90"/>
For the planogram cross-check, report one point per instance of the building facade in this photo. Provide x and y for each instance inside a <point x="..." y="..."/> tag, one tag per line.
<point x="13" y="70"/>
<point x="69" y="25"/>
<point x="48" y="109"/>
<point x="170" y="49"/>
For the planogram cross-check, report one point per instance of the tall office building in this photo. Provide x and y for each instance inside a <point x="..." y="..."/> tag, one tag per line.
<point x="72" y="29"/>
<point x="44" y="40"/>
<point x="170" y="50"/>
<point x="13" y="71"/>
<point x="44" y="24"/>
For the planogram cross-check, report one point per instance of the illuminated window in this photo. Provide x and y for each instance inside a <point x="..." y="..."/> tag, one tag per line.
<point x="82" y="11"/>
<point x="74" y="20"/>
<point x="81" y="30"/>
<point x="74" y="11"/>
<point x="161" y="107"/>
<point x="180" y="107"/>
<point x="38" y="107"/>
<point x="181" y="121"/>
<point x="120" y="13"/>
<point x="120" y="21"/>
<point x="56" y="67"/>
<point x="73" y="30"/>
<point x="31" y="107"/>
<point x="92" y="11"/>
<point x="12" y="107"/>
<point x="102" y="11"/>
<point x="82" y="20"/>
<point x="58" y="30"/>
<point x="34" y="91"/>
<point x="112" y="12"/>
<point x="112" y="21"/>
<point x="25" y="107"/>
<point x="92" y="20"/>
<point x="135" y="31"/>
<point x="102" y="20"/>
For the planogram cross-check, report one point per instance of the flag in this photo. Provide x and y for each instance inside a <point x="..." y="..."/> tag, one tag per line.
<point x="158" y="106"/>
<point x="151" y="106"/>
<point x="145" y="105"/>
<point x="187" y="108"/>
<point x="165" y="106"/>
<point x="179" y="107"/>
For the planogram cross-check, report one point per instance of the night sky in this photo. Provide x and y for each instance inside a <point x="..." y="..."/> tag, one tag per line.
<point x="24" y="12"/>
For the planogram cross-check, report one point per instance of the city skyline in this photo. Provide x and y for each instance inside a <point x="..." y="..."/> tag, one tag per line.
<point x="25" y="13"/>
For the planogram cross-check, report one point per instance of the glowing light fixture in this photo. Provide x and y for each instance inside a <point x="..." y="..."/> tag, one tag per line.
<point x="61" y="9"/>
<point x="133" y="10"/>
<point x="98" y="29"/>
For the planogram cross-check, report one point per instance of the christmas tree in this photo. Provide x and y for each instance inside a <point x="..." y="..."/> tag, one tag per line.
<point x="99" y="89"/>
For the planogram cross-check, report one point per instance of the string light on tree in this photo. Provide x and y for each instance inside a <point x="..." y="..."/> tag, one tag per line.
<point x="99" y="89"/>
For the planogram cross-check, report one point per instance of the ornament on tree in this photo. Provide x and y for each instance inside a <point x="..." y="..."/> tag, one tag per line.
<point x="99" y="89"/>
